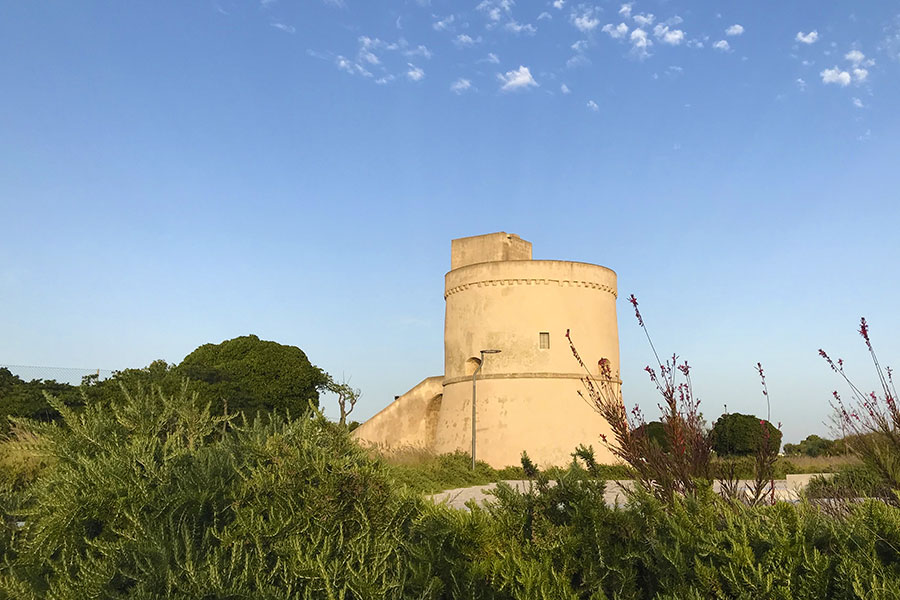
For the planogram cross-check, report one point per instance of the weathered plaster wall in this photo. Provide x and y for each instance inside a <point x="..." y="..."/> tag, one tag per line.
<point x="498" y="298"/>
<point x="410" y="420"/>
<point x="527" y="396"/>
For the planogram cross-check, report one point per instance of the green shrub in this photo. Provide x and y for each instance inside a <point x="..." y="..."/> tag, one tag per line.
<point x="154" y="497"/>
<point x="734" y="434"/>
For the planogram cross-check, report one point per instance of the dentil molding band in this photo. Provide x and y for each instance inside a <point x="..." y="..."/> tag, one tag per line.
<point x="529" y="281"/>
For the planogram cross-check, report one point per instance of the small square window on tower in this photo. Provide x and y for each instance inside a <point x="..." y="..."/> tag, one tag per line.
<point x="545" y="340"/>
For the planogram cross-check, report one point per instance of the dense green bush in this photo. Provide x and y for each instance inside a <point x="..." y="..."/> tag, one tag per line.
<point x="734" y="434"/>
<point x="562" y="541"/>
<point x="249" y="375"/>
<point x="154" y="497"/>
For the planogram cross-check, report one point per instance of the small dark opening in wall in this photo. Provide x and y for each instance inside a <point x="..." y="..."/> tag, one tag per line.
<point x="545" y="340"/>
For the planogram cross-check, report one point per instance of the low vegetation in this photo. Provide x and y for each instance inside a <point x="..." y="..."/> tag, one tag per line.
<point x="156" y="492"/>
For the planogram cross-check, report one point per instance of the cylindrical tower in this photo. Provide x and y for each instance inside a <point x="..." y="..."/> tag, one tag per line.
<point x="527" y="395"/>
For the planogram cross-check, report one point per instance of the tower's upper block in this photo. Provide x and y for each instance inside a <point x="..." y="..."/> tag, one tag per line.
<point x="488" y="248"/>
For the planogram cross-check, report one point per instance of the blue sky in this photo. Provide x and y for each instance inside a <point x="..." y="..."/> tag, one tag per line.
<point x="176" y="173"/>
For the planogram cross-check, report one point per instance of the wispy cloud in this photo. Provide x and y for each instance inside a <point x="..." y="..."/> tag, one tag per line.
<point x="517" y="79"/>
<point x="414" y="73"/>
<point x="735" y="30"/>
<point x="285" y="27"/>
<point x="494" y="10"/>
<point x="465" y="41"/>
<point x="640" y="44"/>
<point x="516" y="27"/>
<point x="625" y="9"/>
<point x="444" y="24"/>
<point x="673" y="37"/>
<point x="644" y="20"/>
<point x="615" y="31"/>
<point x="807" y="38"/>
<point x="593" y="106"/>
<point x="858" y="103"/>
<point x="722" y="45"/>
<point x="801" y="83"/>
<point x="565" y="89"/>
<point x="490" y="58"/>
<point x="460" y="85"/>
<point x="586" y="19"/>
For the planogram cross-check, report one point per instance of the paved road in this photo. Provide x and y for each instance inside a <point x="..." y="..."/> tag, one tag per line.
<point x="785" y="489"/>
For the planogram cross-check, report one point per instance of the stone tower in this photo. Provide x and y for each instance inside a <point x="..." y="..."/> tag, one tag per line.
<point x="497" y="297"/>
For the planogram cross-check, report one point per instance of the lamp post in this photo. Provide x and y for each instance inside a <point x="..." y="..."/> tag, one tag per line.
<point x="474" y="376"/>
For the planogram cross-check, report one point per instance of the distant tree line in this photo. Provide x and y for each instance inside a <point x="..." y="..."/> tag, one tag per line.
<point x="244" y="374"/>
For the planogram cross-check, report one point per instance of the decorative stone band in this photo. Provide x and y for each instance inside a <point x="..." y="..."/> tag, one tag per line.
<point x="482" y="377"/>
<point x="529" y="281"/>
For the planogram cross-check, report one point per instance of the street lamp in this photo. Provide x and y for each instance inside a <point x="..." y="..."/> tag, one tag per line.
<point x="474" y="376"/>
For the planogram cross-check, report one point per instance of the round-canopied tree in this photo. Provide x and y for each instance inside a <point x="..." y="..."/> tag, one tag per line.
<point x="734" y="434"/>
<point x="251" y="375"/>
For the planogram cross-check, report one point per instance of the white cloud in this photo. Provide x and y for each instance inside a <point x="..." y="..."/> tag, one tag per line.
<point x="544" y="15"/>
<point x="518" y="79"/>
<point x="593" y="106"/>
<point x="415" y="73"/>
<point x="673" y="37"/>
<point x="558" y="4"/>
<point x="587" y="20"/>
<point x="417" y="51"/>
<point x="495" y="9"/>
<point x="801" y="84"/>
<point x="385" y="80"/>
<point x="444" y="24"/>
<point x="859" y="59"/>
<point x="490" y="58"/>
<point x="465" y="41"/>
<point x="285" y="28"/>
<point x="807" y="38"/>
<point x="855" y="56"/>
<point x="835" y="75"/>
<point x="858" y="103"/>
<point x="580" y="46"/>
<point x="616" y="31"/>
<point x="460" y="85"/>
<point x="625" y="10"/>
<point x="368" y="56"/>
<point x="860" y="75"/>
<point x="735" y="30"/>
<point x="351" y="67"/>
<point x="890" y="45"/>
<point x="640" y="43"/>
<point x="516" y="27"/>
<point x="722" y="45"/>
<point x="565" y="89"/>
<point x="644" y="20"/>
<point x="579" y="60"/>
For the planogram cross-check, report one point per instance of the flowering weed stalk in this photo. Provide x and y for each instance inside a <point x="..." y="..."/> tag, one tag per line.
<point x="682" y="464"/>
<point x="870" y="422"/>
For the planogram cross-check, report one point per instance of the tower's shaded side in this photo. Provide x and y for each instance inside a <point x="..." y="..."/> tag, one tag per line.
<point x="497" y="297"/>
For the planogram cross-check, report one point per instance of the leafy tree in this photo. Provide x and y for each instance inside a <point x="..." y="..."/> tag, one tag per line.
<point x="20" y="398"/>
<point x="347" y="397"/>
<point x="735" y="434"/>
<point x="813" y="445"/>
<point x="250" y="375"/>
